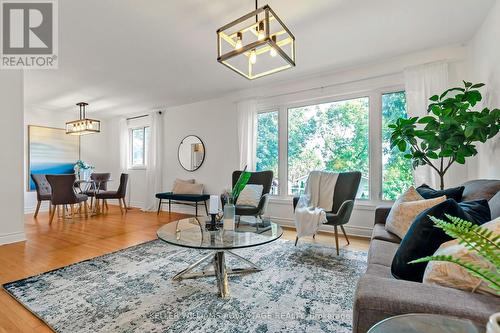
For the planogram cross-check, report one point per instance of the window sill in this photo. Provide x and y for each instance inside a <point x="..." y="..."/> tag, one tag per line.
<point x="358" y="205"/>
<point x="136" y="168"/>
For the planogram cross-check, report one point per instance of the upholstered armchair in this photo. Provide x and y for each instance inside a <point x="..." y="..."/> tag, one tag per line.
<point x="344" y="196"/>
<point x="264" y="178"/>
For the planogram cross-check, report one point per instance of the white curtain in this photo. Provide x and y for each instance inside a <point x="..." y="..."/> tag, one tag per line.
<point x="124" y="151"/>
<point x="154" y="162"/>
<point x="247" y="133"/>
<point x="422" y="82"/>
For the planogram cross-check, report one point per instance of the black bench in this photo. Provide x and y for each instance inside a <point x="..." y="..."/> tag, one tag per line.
<point x="183" y="199"/>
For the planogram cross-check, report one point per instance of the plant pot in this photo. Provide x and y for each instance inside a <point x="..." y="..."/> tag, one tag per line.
<point x="494" y="323"/>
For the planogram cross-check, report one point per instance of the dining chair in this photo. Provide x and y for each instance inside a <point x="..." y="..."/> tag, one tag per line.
<point x="344" y="196"/>
<point x="43" y="191"/>
<point x="63" y="194"/>
<point x="99" y="184"/>
<point x="119" y="194"/>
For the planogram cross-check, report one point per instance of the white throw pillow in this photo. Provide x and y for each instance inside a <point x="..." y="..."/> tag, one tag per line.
<point x="404" y="214"/>
<point x="451" y="275"/>
<point x="250" y="196"/>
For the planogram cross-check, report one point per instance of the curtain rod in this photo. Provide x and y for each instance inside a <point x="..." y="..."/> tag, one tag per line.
<point x="144" y="115"/>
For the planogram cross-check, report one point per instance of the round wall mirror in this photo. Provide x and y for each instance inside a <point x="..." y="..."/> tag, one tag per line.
<point x="191" y="153"/>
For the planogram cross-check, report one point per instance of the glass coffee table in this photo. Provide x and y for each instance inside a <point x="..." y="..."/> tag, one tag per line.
<point x="425" y="323"/>
<point x="191" y="233"/>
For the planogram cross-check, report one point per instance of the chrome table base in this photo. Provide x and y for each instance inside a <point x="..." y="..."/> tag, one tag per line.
<point x="220" y="271"/>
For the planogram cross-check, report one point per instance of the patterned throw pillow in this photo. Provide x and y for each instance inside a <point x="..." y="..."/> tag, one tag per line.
<point x="411" y="194"/>
<point x="404" y="214"/>
<point x="454" y="276"/>
<point x="250" y="196"/>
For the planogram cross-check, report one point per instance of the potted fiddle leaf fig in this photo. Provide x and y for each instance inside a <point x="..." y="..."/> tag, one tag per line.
<point x="449" y="132"/>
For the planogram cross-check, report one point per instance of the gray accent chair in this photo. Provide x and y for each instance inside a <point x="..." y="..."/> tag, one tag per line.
<point x="101" y="184"/>
<point x="63" y="194"/>
<point x="43" y="191"/>
<point x="343" y="203"/>
<point x="379" y="295"/>
<point x="119" y="194"/>
<point x="264" y="178"/>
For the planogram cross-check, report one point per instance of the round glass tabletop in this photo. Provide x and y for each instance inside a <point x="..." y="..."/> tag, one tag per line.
<point x="192" y="233"/>
<point x="425" y="323"/>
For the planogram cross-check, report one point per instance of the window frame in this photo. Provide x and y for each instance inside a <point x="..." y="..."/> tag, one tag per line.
<point x="374" y="134"/>
<point x="131" y="130"/>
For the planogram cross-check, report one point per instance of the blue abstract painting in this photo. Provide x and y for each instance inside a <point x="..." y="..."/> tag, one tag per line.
<point x="51" y="151"/>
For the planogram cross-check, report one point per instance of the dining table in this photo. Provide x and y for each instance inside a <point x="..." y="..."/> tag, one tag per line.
<point x="85" y="186"/>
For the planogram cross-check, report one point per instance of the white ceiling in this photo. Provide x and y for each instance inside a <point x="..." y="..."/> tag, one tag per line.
<point x="128" y="56"/>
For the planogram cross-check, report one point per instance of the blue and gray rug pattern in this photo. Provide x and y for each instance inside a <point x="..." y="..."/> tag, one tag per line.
<point x="307" y="288"/>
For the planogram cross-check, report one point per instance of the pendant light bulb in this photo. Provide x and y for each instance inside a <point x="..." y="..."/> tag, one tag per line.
<point x="260" y="31"/>
<point x="239" y="41"/>
<point x="273" y="51"/>
<point x="253" y="57"/>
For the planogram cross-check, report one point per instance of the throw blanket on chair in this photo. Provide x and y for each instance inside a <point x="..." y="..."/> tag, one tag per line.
<point x="318" y="198"/>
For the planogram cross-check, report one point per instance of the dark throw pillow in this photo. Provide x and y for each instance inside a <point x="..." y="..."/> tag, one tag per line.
<point x="423" y="238"/>
<point x="451" y="193"/>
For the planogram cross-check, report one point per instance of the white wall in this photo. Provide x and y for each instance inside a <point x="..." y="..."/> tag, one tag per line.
<point x="485" y="67"/>
<point x="93" y="147"/>
<point x="11" y="175"/>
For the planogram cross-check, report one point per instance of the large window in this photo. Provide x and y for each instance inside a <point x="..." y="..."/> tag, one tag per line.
<point x="328" y="136"/>
<point x="139" y="137"/>
<point x="268" y="145"/>
<point x="396" y="170"/>
<point x="339" y="135"/>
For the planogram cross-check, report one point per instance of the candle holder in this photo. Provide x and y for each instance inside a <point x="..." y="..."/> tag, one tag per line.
<point x="212" y="224"/>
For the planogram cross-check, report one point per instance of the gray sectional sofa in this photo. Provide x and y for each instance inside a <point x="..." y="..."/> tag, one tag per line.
<point x="379" y="295"/>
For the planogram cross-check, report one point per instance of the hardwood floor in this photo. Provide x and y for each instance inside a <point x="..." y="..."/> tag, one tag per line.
<point x="63" y="243"/>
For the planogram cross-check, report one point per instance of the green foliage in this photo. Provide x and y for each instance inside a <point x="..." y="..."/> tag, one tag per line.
<point x="447" y="135"/>
<point x="476" y="238"/>
<point x="397" y="173"/>
<point x="240" y="184"/>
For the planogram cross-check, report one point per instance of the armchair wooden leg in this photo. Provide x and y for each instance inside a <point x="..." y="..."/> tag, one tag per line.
<point x="50" y="208"/>
<point x="52" y="213"/>
<point x="345" y="235"/>
<point x="336" y="239"/>
<point x="37" y="208"/>
<point x="106" y="204"/>
<point x="296" y="240"/>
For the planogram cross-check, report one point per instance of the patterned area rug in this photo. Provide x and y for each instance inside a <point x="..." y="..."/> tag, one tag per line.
<point x="303" y="288"/>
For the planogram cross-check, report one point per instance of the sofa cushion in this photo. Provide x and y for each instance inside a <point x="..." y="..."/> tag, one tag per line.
<point x="480" y="189"/>
<point x="494" y="204"/>
<point x="381" y="252"/>
<point x="423" y="238"/>
<point x="378" y="298"/>
<point x="380" y="233"/>
<point x="451" y="193"/>
<point x="379" y="270"/>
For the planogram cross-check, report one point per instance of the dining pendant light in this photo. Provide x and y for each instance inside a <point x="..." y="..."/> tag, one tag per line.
<point x="83" y="125"/>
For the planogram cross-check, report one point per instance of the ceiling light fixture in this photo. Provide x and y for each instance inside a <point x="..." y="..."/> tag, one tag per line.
<point x="241" y="42"/>
<point x="83" y="125"/>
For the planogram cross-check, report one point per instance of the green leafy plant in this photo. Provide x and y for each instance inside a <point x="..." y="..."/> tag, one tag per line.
<point x="448" y="133"/>
<point x="240" y="184"/>
<point x="476" y="238"/>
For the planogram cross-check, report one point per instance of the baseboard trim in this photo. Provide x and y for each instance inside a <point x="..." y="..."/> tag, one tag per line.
<point x="13" y="237"/>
